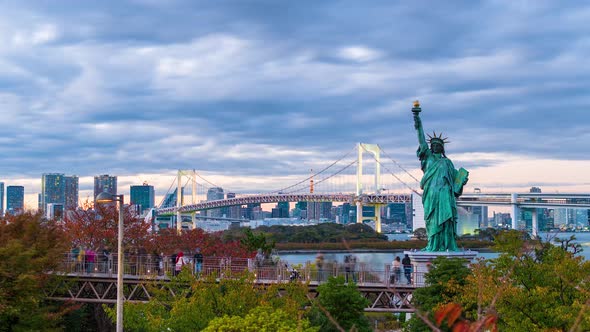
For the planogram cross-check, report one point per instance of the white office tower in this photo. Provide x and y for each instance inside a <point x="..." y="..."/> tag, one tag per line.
<point x="418" y="212"/>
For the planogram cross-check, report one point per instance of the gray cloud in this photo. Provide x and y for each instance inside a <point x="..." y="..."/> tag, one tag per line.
<point x="258" y="88"/>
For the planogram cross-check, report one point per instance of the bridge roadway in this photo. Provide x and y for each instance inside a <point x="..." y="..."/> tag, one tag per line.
<point x="140" y="278"/>
<point x="526" y="200"/>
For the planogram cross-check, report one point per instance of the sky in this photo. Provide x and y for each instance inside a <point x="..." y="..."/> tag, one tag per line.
<point x="249" y="91"/>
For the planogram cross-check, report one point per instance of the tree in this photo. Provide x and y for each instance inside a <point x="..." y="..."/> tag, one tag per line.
<point x="199" y="301"/>
<point x="339" y="306"/>
<point x="98" y="226"/>
<point x="254" y="242"/>
<point x="444" y="281"/>
<point x="263" y="318"/>
<point x="532" y="286"/>
<point x="30" y="248"/>
<point x="420" y="233"/>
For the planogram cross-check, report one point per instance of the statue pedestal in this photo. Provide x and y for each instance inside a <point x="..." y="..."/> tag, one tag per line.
<point x="421" y="261"/>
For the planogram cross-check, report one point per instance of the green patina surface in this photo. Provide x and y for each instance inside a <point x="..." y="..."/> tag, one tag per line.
<point x="441" y="185"/>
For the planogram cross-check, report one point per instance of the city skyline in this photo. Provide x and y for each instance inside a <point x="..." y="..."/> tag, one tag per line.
<point x="257" y="94"/>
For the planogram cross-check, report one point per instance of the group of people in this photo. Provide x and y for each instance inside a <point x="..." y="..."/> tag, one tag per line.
<point x="179" y="261"/>
<point x="87" y="260"/>
<point x="397" y="266"/>
<point x="349" y="264"/>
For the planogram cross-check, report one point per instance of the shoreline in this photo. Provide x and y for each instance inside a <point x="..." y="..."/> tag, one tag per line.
<point x="367" y="251"/>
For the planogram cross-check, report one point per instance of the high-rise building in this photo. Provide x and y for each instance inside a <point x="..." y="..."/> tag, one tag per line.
<point x="234" y="211"/>
<point x="319" y="210"/>
<point x="248" y="212"/>
<point x="53" y="189"/>
<point x="55" y="211"/>
<point x="15" y="199"/>
<point x="105" y="183"/>
<point x="283" y="209"/>
<point x="214" y="194"/>
<point x="1" y="199"/>
<point x="143" y="195"/>
<point x="71" y="192"/>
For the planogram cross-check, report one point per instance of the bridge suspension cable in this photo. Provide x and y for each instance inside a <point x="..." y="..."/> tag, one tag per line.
<point x="398" y="165"/>
<point x="395" y="176"/>
<point x="314" y="175"/>
<point x="330" y="176"/>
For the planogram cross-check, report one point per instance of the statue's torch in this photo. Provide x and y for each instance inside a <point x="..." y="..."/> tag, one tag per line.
<point x="416" y="109"/>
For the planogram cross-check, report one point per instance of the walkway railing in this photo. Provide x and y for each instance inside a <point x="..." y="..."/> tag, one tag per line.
<point x="155" y="267"/>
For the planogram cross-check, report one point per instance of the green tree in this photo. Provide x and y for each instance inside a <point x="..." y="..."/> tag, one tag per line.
<point x="263" y="318"/>
<point x="339" y="306"/>
<point x="444" y="282"/>
<point x="532" y="286"/>
<point x="420" y="233"/>
<point x="30" y="248"/>
<point x="199" y="301"/>
<point x="254" y="242"/>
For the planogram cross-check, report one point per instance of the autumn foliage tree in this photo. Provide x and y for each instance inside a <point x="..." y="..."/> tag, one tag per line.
<point x="30" y="248"/>
<point x="98" y="226"/>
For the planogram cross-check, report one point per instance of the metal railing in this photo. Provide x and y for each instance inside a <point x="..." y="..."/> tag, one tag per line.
<point x="162" y="267"/>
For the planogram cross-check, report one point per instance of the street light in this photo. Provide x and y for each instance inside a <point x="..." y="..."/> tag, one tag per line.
<point x="109" y="198"/>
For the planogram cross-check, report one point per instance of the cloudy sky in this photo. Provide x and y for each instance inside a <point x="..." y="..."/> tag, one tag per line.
<point x="244" y="91"/>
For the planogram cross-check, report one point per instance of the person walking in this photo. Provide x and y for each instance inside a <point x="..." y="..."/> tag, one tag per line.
<point x="319" y="262"/>
<point x="179" y="263"/>
<point x="407" y="264"/>
<point x="397" y="270"/>
<point x="198" y="261"/>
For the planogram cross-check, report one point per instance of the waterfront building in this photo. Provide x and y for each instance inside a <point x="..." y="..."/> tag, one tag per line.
<point x="479" y="214"/>
<point x="15" y="199"/>
<point x="281" y="210"/>
<point x="53" y="189"/>
<point x="55" y="211"/>
<point x="396" y="213"/>
<point x="247" y="211"/>
<point x="105" y="183"/>
<point x="234" y="211"/>
<point x="319" y="210"/>
<point x="502" y="220"/>
<point x="213" y="194"/>
<point x="345" y="213"/>
<point x="467" y="221"/>
<point x="143" y="196"/>
<point x="71" y="192"/>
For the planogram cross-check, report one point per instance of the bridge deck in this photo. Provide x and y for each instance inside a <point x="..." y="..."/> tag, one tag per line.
<point x="99" y="286"/>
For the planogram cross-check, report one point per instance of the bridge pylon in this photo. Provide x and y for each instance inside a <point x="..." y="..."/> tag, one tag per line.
<point x="192" y="174"/>
<point x="375" y="150"/>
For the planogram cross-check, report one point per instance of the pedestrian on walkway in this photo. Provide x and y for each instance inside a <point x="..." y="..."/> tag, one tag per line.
<point x="396" y="266"/>
<point x="179" y="263"/>
<point x="407" y="264"/>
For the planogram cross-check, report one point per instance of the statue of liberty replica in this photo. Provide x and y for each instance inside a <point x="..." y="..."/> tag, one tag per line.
<point x="441" y="185"/>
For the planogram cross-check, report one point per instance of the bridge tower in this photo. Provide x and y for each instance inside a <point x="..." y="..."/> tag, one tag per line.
<point x="192" y="174"/>
<point x="375" y="150"/>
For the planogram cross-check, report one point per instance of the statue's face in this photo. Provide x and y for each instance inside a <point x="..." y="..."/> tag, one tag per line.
<point x="436" y="147"/>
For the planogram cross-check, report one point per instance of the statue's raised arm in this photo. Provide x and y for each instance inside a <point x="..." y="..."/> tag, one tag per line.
<point x="418" y="124"/>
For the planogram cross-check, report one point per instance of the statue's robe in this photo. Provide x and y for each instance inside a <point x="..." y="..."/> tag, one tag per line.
<point x="439" y="200"/>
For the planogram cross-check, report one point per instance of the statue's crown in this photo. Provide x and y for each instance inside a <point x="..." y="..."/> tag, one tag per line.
<point x="437" y="139"/>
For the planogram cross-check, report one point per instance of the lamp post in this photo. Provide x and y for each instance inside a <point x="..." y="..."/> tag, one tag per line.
<point x="108" y="198"/>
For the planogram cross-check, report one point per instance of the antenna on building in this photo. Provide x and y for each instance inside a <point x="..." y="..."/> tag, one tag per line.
<point x="311" y="182"/>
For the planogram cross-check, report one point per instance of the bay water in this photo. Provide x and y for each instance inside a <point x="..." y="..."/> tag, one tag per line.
<point x="378" y="259"/>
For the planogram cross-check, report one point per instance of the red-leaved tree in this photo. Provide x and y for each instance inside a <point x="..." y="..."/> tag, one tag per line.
<point x="98" y="227"/>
